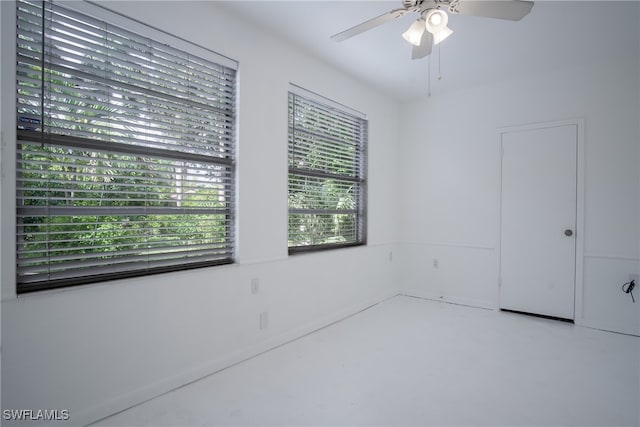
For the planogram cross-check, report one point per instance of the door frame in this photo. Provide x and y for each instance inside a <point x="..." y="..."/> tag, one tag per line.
<point x="579" y="232"/>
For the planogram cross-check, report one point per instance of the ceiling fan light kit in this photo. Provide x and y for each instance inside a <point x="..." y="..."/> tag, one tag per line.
<point x="414" y="34"/>
<point x="441" y="35"/>
<point x="436" y="22"/>
<point x="431" y="26"/>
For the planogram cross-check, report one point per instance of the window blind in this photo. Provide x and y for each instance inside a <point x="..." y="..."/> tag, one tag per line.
<point x="327" y="174"/>
<point x="125" y="157"/>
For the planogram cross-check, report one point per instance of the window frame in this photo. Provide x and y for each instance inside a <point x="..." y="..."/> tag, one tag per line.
<point x="27" y="136"/>
<point x="360" y="159"/>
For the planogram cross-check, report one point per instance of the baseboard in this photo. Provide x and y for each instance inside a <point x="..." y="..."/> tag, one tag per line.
<point x="454" y="300"/>
<point x="607" y="328"/>
<point x="143" y="394"/>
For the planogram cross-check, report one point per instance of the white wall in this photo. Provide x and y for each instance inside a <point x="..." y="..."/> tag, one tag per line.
<point x="450" y="165"/>
<point x="98" y="349"/>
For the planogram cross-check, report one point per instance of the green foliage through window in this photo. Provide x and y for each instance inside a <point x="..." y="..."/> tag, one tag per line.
<point x="125" y="160"/>
<point x="327" y="176"/>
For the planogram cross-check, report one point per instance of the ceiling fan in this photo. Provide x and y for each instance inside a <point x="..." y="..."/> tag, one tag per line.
<point x="431" y="26"/>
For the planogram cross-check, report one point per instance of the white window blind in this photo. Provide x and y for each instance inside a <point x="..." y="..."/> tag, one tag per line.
<point x="327" y="174"/>
<point x="125" y="159"/>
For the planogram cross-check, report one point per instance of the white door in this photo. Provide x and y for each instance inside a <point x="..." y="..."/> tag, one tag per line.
<point x="538" y="241"/>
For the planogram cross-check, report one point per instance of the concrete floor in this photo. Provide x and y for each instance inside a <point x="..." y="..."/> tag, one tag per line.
<point x="409" y="361"/>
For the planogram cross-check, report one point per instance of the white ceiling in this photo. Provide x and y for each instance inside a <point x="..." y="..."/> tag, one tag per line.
<point x="555" y="34"/>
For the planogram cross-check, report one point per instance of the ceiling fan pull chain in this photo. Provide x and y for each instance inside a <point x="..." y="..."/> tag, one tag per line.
<point x="439" y="73"/>
<point x="429" y="76"/>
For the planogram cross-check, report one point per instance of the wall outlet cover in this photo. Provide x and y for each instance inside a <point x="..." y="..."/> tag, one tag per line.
<point x="264" y="320"/>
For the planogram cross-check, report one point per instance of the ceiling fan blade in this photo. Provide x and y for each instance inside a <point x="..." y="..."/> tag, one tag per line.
<point x="368" y="25"/>
<point x="424" y="49"/>
<point x="513" y="10"/>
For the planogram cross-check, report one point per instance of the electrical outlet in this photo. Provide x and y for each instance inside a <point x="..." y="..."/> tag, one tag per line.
<point x="435" y="263"/>
<point x="264" y="320"/>
<point x="255" y="285"/>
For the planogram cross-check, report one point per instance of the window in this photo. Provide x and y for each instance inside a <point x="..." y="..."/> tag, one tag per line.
<point x="125" y="151"/>
<point x="327" y="174"/>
